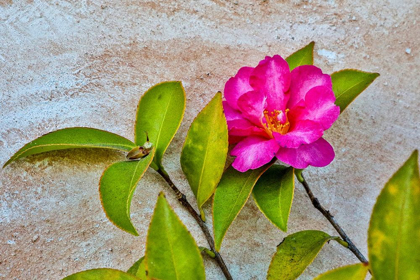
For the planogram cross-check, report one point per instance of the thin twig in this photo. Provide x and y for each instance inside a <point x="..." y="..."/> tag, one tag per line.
<point x="183" y="200"/>
<point x="332" y="221"/>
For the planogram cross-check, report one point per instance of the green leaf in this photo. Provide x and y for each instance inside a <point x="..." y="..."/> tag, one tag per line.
<point x="304" y="56"/>
<point x="101" y="274"/>
<point x="295" y="253"/>
<point x="139" y="269"/>
<point x="171" y="252"/>
<point x="230" y="197"/>
<point x="273" y="194"/>
<point x="74" y="137"/>
<point x="394" y="231"/>
<point x="349" y="272"/>
<point x="159" y="113"/>
<point x="205" y="150"/>
<point x="348" y="84"/>
<point x="116" y="188"/>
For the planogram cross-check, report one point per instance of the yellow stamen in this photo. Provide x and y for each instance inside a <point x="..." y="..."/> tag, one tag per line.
<point x="273" y="124"/>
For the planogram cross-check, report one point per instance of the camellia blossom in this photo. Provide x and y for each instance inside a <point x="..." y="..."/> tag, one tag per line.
<point x="274" y="112"/>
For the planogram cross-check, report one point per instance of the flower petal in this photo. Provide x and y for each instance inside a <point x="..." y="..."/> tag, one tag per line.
<point x="236" y="86"/>
<point x="245" y="128"/>
<point x="230" y="113"/>
<point x="239" y="127"/>
<point x="272" y="77"/>
<point x="303" y="79"/>
<point x="318" y="106"/>
<point x="252" y="105"/>
<point x="319" y="154"/>
<point x="253" y="152"/>
<point x="301" y="132"/>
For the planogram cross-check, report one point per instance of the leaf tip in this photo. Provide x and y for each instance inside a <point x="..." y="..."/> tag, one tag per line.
<point x="11" y="159"/>
<point x="7" y="163"/>
<point x="162" y="201"/>
<point x="131" y="230"/>
<point x="374" y="75"/>
<point x="135" y="233"/>
<point x="161" y="194"/>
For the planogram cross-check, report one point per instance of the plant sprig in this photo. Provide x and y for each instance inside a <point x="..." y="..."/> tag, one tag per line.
<point x="159" y="114"/>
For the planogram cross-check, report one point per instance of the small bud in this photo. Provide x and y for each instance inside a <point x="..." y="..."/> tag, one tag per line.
<point x="147" y="145"/>
<point x="137" y="153"/>
<point x="140" y="152"/>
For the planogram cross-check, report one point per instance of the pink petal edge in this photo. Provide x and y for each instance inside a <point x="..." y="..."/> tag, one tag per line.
<point x="252" y="105"/>
<point x="318" y="106"/>
<point x="303" y="79"/>
<point x="301" y="132"/>
<point x="230" y="113"/>
<point x="318" y="154"/>
<point x="236" y="86"/>
<point x="253" y="152"/>
<point x="272" y="78"/>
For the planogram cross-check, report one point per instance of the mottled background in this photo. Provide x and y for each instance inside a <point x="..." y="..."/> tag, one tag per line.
<point x="86" y="63"/>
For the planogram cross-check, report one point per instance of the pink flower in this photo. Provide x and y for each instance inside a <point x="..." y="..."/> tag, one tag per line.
<point x="272" y="112"/>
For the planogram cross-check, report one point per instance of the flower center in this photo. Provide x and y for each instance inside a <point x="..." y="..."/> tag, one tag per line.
<point x="276" y="121"/>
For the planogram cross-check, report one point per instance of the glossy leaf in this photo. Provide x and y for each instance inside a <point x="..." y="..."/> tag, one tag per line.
<point x="230" y="197"/>
<point x="159" y="113"/>
<point x="350" y="272"/>
<point x="304" y="56"/>
<point x="273" y="194"/>
<point x="394" y="231"/>
<point x="102" y="274"/>
<point x="116" y="188"/>
<point x="171" y="252"/>
<point x="139" y="269"/>
<point x="348" y="84"/>
<point x="71" y="138"/>
<point x="295" y="253"/>
<point x="205" y="150"/>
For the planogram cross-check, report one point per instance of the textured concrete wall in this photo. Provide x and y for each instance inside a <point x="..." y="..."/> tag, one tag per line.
<point x="86" y="63"/>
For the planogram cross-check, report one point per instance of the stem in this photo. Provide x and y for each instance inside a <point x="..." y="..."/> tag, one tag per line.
<point x="184" y="202"/>
<point x="331" y="219"/>
<point x="342" y="242"/>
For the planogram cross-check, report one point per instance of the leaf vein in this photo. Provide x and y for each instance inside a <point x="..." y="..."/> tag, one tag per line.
<point x="350" y="88"/>
<point x="399" y="237"/>
<point x="161" y="124"/>
<point x="204" y="163"/>
<point x="72" y="145"/>
<point x="237" y="197"/>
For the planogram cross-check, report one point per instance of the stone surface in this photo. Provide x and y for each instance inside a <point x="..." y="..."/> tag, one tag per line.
<point x="86" y="63"/>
